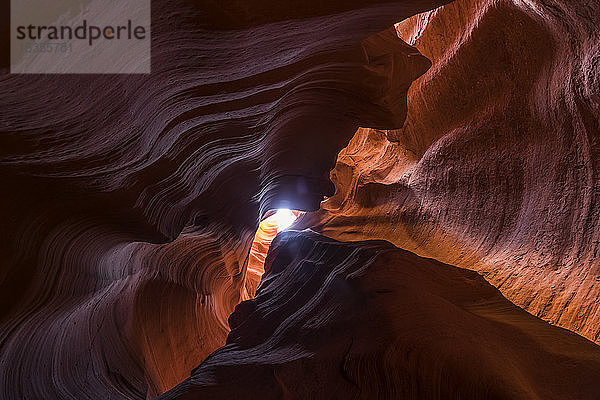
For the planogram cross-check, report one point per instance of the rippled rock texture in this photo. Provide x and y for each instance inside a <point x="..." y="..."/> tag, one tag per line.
<point x="367" y="320"/>
<point x="497" y="166"/>
<point x="129" y="203"/>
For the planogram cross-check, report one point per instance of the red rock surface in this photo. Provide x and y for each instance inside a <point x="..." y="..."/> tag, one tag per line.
<point x="129" y="205"/>
<point x="102" y="294"/>
<point x="367" y="320"/>
<point x="267" y="230"/>
<point x="496" y="168"/>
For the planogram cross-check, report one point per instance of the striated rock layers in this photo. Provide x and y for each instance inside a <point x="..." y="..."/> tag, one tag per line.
<point x="497" y="166"/>
<point x="366" y="320"/>
<point x="129" y="205"/>
<point x="129" y="202"/>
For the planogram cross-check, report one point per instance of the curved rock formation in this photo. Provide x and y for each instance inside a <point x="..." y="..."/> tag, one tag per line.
<point x="97" y="171"/>
<point x="266" y="232"/>
<point x="130" y="204"/>
<point x="367" y="320"/>
<point x="496" y="168"/>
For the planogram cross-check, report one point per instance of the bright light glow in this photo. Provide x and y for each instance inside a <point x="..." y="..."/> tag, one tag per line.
<point x="283" y="218"/>
<point x="266" y="232"/>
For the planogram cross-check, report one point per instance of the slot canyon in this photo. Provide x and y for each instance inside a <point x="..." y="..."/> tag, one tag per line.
<point x="310" y="200"/>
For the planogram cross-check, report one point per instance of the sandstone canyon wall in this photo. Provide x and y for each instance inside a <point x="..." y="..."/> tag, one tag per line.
<point x="496" y="168"/>
<point x="366" y="320"/>
<point x="130" y="204"/>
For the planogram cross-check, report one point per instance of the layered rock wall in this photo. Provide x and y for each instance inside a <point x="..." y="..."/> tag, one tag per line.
<point x="496" y="168"/>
